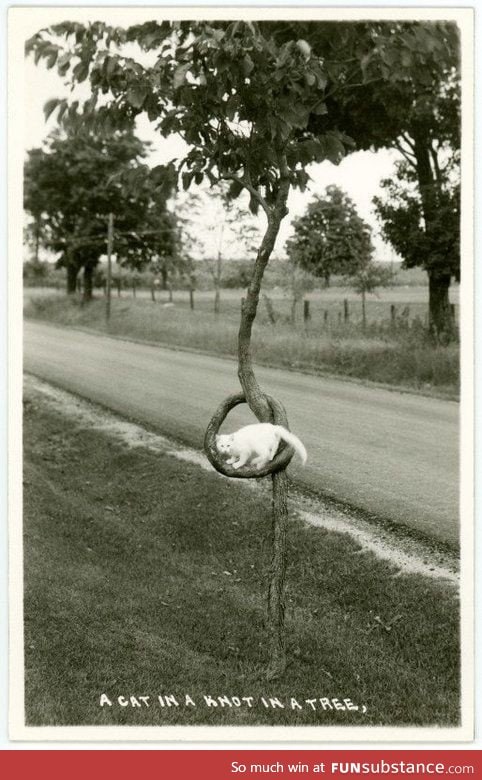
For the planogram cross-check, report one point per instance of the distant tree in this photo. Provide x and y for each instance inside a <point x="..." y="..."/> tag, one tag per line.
<point x="331" y="237"/>
<point x="297" y="282"/>
<point x="71" y="185"/>
<point x="368" y="279"/>
<point x="35" y="271"/>
<point x="216" y="227"/>
<point x="433" y="245"/>
<point x="33" y="234"/>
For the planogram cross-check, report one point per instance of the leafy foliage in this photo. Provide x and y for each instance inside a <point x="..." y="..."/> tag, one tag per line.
<point x="258" y="102"/>
<point x="369" y="278"/>
<point x="330" y="238"/>
<point x="239" y="98"/>
<point x="434" y="246"/>
<point x="77" y="179"/>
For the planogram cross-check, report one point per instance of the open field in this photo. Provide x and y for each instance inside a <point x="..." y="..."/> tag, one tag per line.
<point x="394" y="353"/>
<point x="135" y="587"/>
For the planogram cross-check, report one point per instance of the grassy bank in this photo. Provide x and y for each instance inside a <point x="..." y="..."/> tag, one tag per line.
<point x="397" y="355"/>
<point x="137" y="587"/>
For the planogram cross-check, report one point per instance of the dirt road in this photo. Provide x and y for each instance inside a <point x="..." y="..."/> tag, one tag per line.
<point x="392" y="454"/>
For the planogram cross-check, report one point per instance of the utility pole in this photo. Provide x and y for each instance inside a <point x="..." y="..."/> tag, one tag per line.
<point x="110" y="244"/>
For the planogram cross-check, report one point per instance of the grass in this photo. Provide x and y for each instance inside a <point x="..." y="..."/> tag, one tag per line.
<point x="398" y="355"/>
<point x="147" y="577"/>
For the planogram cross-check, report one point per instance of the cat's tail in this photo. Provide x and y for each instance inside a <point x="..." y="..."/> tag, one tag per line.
<point x="293" y="440"/>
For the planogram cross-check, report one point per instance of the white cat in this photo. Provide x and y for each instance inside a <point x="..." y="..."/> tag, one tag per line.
<point x="256" y="444"/>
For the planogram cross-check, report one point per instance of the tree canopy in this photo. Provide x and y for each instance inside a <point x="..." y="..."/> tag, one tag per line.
<point x="331" y="237"/>
<point x="76" y="179"/>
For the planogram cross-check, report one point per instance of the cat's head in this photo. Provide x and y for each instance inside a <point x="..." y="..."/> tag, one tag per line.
<point x="224" y="442"/>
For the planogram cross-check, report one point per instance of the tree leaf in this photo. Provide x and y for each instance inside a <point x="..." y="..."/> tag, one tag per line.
<point x="81" y="71"/>
<point x="248" y="64"/>
<point x="50" y="107"/>
<point x="136" y="95"/>
<point x="180" y="73"/>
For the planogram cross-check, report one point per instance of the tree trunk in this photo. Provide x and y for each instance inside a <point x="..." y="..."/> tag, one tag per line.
<point x="37" y="239"/>
<point x="217" y="298"/>
<point x="440" y="315"/>
<point x="88" y="278"/>
<point x="294" y="304"/>
<point x="363" y="308"/>
<point x="276" y="590"/>
<point x="72" y="272"/>
<point x="164" y="277"/>
<point x="270" y="309"/>
<point x="170" y="292"/>
<point x="259" y="405"/>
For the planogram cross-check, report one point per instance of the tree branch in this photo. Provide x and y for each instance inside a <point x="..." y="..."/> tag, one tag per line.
<point x="436" y="166"/>
<point x="410" y="158"/>
<point x="251" y="189"/>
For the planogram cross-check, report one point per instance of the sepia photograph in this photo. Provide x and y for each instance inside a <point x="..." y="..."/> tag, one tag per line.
<point x="241" y="282"/>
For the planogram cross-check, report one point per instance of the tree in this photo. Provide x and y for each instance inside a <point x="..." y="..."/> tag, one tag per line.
<point x="216" y="226"/>
<point x="299" y="282"/>
<point x="330" y="238"/>
<point x="434" y="245"/>
<point x="367" y="279"/>
<point x="73" y="183"/>
<point x="242" y="101"/>
<point x="402" y="90"/>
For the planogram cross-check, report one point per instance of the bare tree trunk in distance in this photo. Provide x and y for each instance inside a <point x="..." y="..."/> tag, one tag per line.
<point x="71" y="279"/>
<point x="217" y="299"/>
<point x="110" y="245"/>
<point x="88" y="279"/>
<point x="37" y="239"/>
<point x="294" y="305"/>
<point x="270" y="309"/>
<point x="217" y="278"/>
<point x="363" y="309"/>
<point x="164" y="277"/>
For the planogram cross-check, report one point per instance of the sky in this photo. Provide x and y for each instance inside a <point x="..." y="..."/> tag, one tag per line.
<point x="359" y="174"/>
